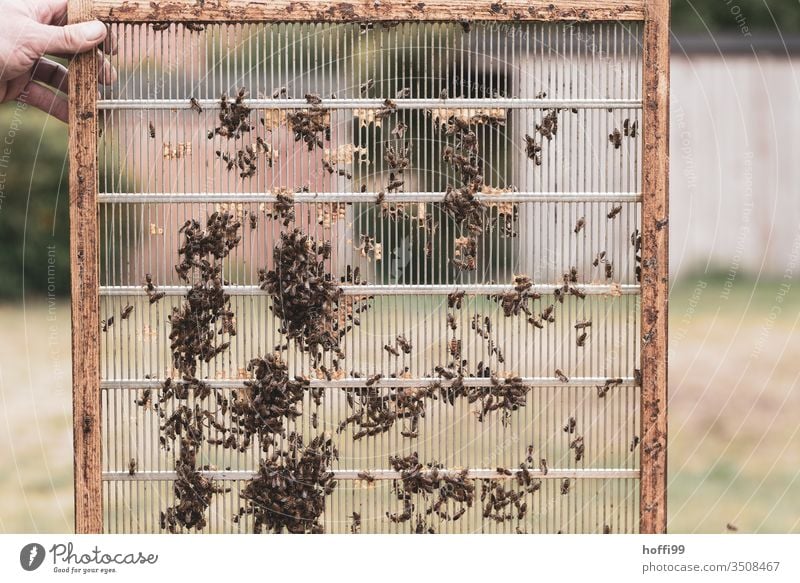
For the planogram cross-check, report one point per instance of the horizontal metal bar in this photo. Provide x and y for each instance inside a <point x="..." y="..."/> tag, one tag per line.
<point x="130" y="384"/>
<point x="451" y="103"/>
<point x="344" y="197"/>
<point x="390" y="290"/>
<point x="476" y="474"/>
<point x="362" y="11"/>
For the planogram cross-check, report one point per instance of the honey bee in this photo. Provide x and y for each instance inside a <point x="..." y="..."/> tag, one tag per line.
<point x="577" y="445"/>
<point x="443" y="93"/>
<point x="365" y="87"/>
<point x="355" y="527"/>
<point x="132" y="467"/>
<point x="454" y="299"/>
<point x="195" y="105"/>
<point x="579" y="225"/>
<point x="561" y="376"/>
<point x="582" y="325"/>
<point x="146" y="399"/>
<point x="565" y="486"/>
<point x="543" y="466"/>
<point x="395" y="182"/>
<point x="313" y="99"/>
<point x="630" y="129"/>
<point x="374" y="379"/>
<point x="391" y="350"/>
<point x="107" y="323"/>
<point x="601" y="257"/>
<point x="577" y="293"/>
<point x="126" y="312"/>
<point x="602" y="390"/>
<point x="403" y="93"/>
<point x="533" y="150"/>
<point x="614" y="212"/>
<point x="157" y="296"/>
<point x="399" y="130"/>
<point x="581" y="340"/>
<point x="616" y="139"/>
<point x="279" y="92"/>
<point x="572" y="276"/>
<point x="451" y="322"/>
<point x="152" y="129"/>
<point x="570" y="426"/>
<point x="403" y="344"/>
<point x="366" y="476"/>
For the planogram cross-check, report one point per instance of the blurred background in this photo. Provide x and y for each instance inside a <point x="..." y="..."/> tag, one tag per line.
<point x="734" y="309"/>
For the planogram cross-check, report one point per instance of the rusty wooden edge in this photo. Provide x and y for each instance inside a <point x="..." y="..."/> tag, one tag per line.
<point x="364" y="10"/>
<point x="655" y="268"/>
<point x="84" y="283"/>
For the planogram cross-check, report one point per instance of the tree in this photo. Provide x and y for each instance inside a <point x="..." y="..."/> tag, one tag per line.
<point x="731" y="15"/>
<point x="34" y="211"/>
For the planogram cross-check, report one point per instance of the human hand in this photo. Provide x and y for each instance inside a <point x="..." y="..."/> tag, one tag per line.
<point x="29" y="29"/>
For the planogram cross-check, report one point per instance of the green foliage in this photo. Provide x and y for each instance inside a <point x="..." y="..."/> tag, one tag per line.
<point x="34" y="211"/>
<point x="732" y="15"/>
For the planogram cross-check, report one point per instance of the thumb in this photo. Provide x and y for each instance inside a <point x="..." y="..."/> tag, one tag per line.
<point x="73" y="38"/>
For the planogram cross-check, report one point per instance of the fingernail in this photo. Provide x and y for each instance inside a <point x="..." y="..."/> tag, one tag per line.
<point x="94" y="31"/>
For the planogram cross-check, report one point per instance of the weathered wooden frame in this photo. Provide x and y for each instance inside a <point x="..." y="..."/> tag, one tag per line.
<point x="84" y="240"/>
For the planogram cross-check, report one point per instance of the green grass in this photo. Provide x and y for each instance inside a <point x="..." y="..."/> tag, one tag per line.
<point x="734" y="442"/>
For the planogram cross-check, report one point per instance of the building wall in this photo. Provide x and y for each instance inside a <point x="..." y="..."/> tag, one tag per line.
<point x="735" y="155"/>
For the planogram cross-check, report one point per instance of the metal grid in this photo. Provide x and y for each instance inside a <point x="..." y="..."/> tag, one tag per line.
<point x="158" y="169"/>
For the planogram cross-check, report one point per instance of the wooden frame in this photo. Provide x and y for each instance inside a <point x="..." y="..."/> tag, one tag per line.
<point x="84" y="240"/>
<point x="655" y="268"/>
<point x="365" y="10"/>
<point x="84" y="259"/>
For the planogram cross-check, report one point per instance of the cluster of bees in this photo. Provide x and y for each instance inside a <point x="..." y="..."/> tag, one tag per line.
<point x="205" y="313"/>
<point x="629" y="130"/>
<point x="288" y="492"/>
<point x="289" y="489"/>
<point x="268" y="399"/>
<point x="283" y="207"/>
<point x="306" y="300"/>
<point x="461" y="203"/>
<point x="546" y="130"/>
<point x="312" y="125"/>
<point x="192" y="490"/>
<point x="441" y="491"/>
